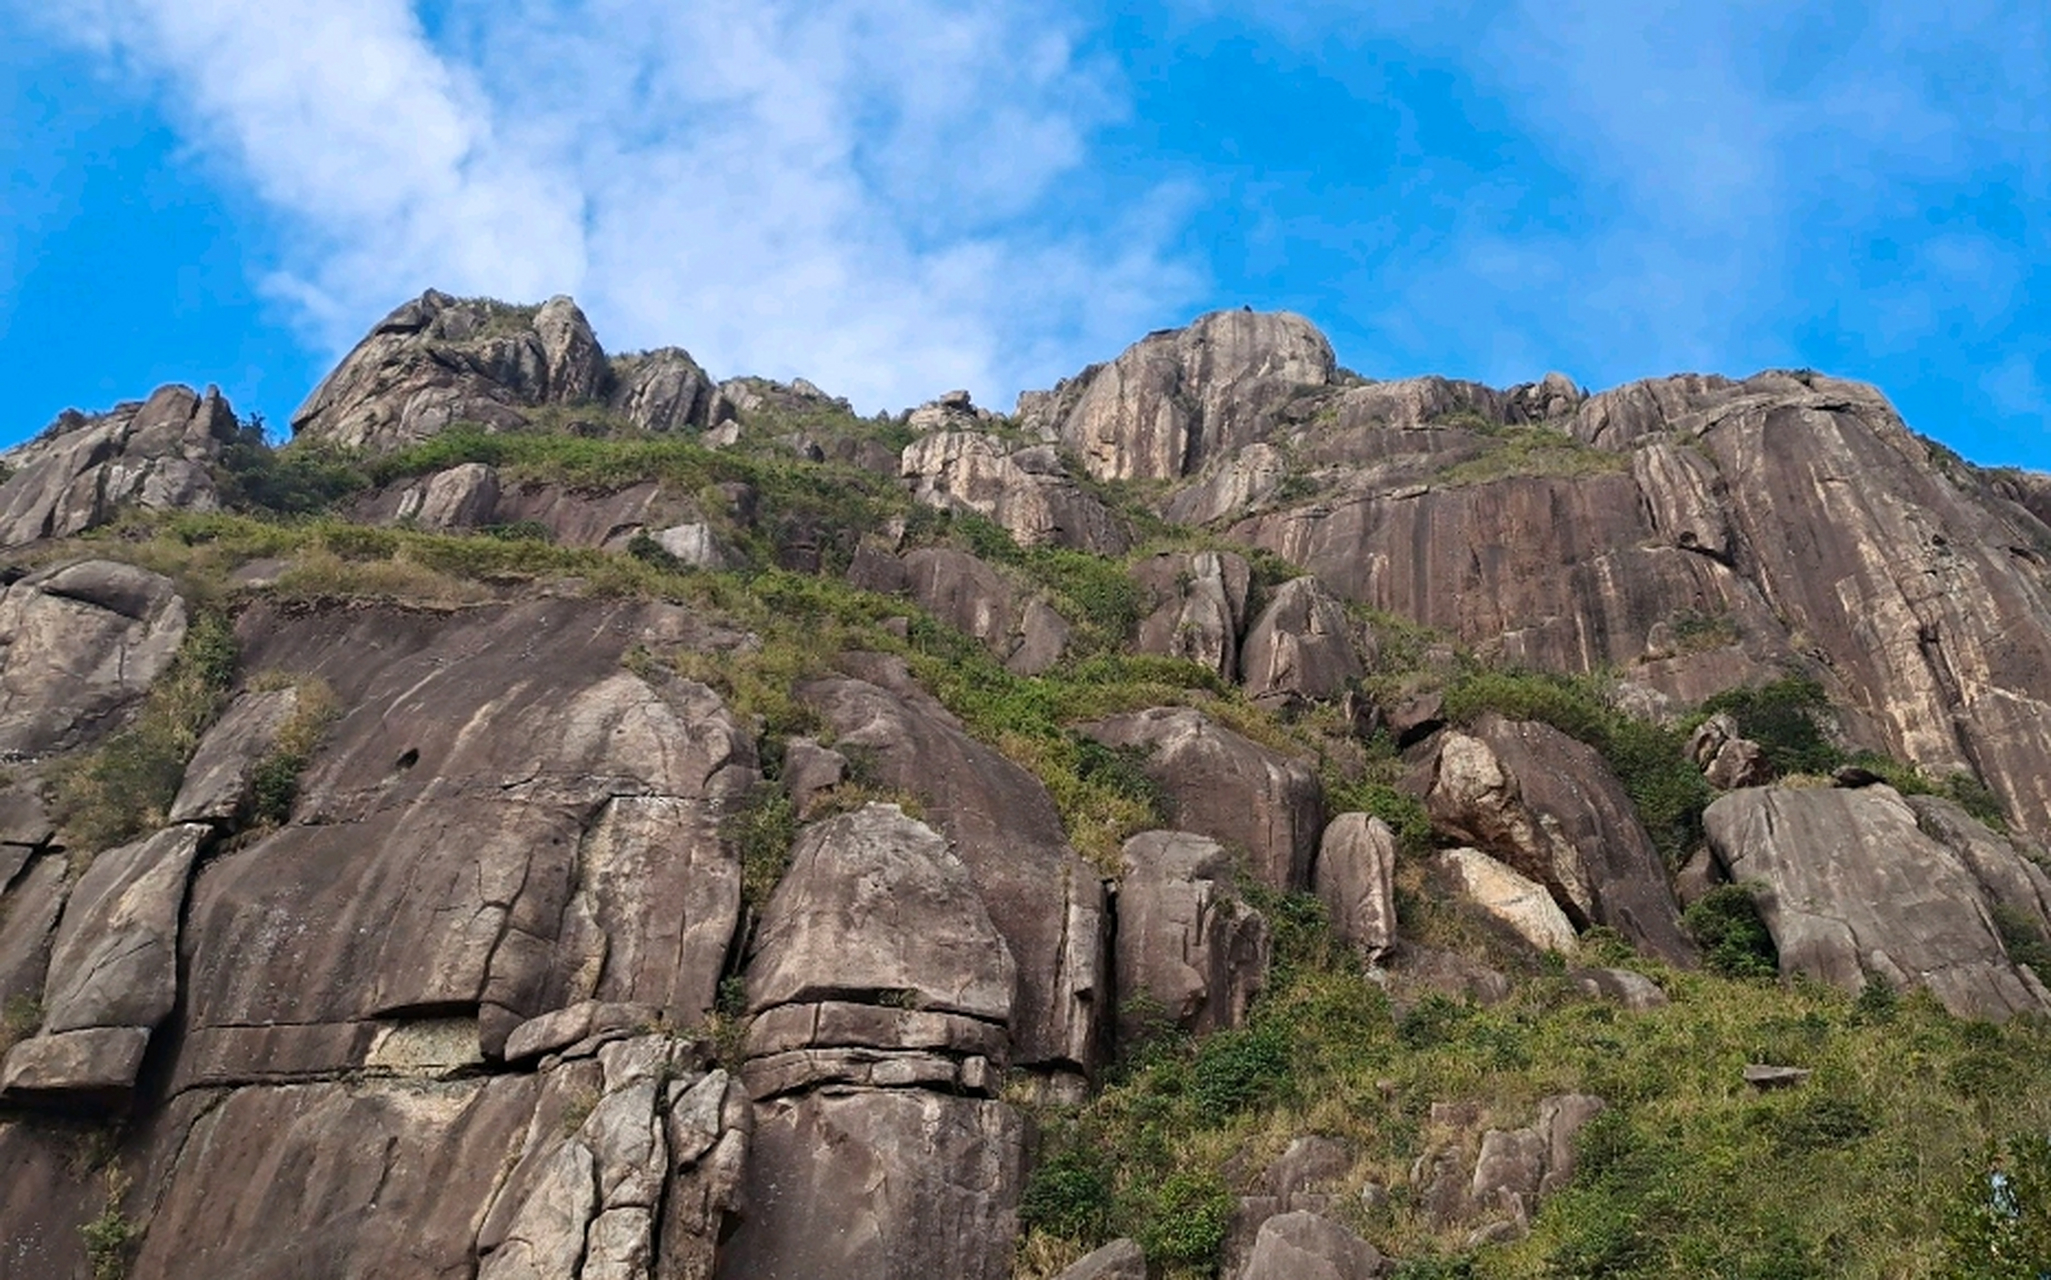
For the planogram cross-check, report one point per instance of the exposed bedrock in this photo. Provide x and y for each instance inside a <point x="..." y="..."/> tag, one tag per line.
<point x="80" y="645"/>
<point x="1026" y="491"/>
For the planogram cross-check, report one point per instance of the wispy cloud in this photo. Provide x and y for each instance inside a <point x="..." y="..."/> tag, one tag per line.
<point x="845" y="190"/>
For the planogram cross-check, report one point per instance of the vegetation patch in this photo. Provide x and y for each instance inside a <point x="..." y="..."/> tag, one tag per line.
<point x="1534" y="451"/>
<point x="1725" y="923"/>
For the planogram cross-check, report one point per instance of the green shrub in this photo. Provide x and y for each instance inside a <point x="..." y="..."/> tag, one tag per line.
<point x="1240" y="1068"/>
<point x="296" y="480"/>
<point x="1735" y="942"/>
<point x="2024" y="939"/>
<point x="1068" y="1194"/>
<point x="1405" y="814"/>
<point x="1997" y="1224"/>
<point x="1185" y="1220"/>
<point x="1782" y="718"/>
<point x="762" y="830"/>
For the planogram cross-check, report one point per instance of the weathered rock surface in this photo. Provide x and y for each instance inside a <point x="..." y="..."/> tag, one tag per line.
<point x="222" y="772"/>
<point x="1229" y="788"/>
<point x="1046" y="902"/>
<point x="1175" y="399"/>
<point x="82" y="643"/>
<point x="1549" y="807"/>
<point x="1027" y="491"/>
<point x="1355" y="876"/>
<point x="1190" y="951"/>
<point x="1302" y="648"/>
<point x="485" y="834"/>
<point x="1119" y="1260"/>
<point x="878" y="1184"/>
<point x="1853" y="889"/>
<point x="81" y="470"/>
<point x="1196" y="606"/>
<point x="1518" y="902"/>
<point x="1230" y="487"/>
<point x="663" y="390"/>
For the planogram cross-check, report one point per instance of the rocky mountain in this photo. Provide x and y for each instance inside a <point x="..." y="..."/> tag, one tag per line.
<point x="563" y="816"/>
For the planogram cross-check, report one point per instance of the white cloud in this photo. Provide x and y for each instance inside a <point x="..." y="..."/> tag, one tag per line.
<point x="836" y="189"/>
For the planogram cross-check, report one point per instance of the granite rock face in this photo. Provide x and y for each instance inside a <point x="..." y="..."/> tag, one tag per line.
<point x="1854" y="889"/>
<point x="81" y="470"/>
<point x="1196" y="606"/>
<point x="1355" y="876"/>
<point x="79" y="646"/>
<point x="1028" y="492"/>
<point x="1191" y="952"/>
<point x="1302" y="648"/>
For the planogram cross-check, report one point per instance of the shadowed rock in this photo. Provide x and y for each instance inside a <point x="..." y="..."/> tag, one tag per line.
<point x="1301" y="649"/>
<point x="1355" y="877"/>
<point x="1190" y="950"/>
<point x="82" y="642"/>
<point x="1196" y="606"/>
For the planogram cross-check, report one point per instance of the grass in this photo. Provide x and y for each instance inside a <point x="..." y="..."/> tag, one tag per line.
<point x="275" y="781"/>
<point x="1534" y="451"/>
<point x="123" y="789"/>
<point x="1687" y="1173"/>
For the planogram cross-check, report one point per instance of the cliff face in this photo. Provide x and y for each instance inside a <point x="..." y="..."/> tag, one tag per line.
<point x="699" y="833"/>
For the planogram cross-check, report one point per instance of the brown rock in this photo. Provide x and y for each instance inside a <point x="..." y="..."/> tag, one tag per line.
<point x="1229" y="788"/>
<point x="1739" y="763"/>
<point x="1308" y="1246"/>
<point x="940" y="1179"/>
<point x="1634" y="991"/>
<point x="1188" y="949"/>
<point x="1853" y="888"/>
<point x="219" y="779"/>
<point x="462" y="497"/>
<point x="1517" y="902"/>
<point x="810" y="773"/>
<point x="83" y="642"/>
<point x="1302" y="648"/>
<point x="662" y="390"/>
<point x="1177" y="398"/>
<point x="96" y="1065"/>
<point x="114" y="961"/>
<point x="1119" y="1260"/>
<point x="29" y="907"/>
<point x="1549" y="807"/>
<point x="875" y="902"/>
<point x="81" y="471"/>
<point x="1230" y="486"/>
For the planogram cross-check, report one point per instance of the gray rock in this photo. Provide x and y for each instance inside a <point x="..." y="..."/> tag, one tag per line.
<point x="1302" y="648"/>
<point x="662" y="391"/>
<point x="695" y="544"/>
<point x="1229" y="788"/>
<point x="966" y="594"/>
<point x="1188" y="948"/>
<point x="1766" y="1077"/>
<point x="115" y="959"/>
<point x="1853" y="887"/>
<point x="1042" y="639"/>
<point x="1308" y="1246"/>
<point x="83" y="642"/>
<point x="1560" y="1121"/>
<point x="1355" y="876"/>
<point x="810" y="773"/>
<point x="1311" y="1164"/>
<point x="1119" y="1260"/>
<point x="1519" y="903"/>
<point x="219" y="780"/>
<point x="1232" y="486"/>
<point x="81" y="471"/>
<point x="29" y="907"/>
<point x="1509" y="1169"/>
<point x="462" y="497"/>
<point x="940" y="1180"/>
<point x="1634" y="991"/>
<point x="1197" y="606"/>
<point x="876" y="902"/>
<point x="1739" y="763"/>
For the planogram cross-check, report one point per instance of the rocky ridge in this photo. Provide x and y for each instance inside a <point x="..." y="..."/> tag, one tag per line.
<point x="676" y="850"/>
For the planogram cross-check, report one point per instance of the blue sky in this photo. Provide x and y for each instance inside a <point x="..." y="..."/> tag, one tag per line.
<point x="895" y="198"/>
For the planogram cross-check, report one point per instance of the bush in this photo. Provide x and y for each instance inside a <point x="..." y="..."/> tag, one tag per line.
<point x="1068" y="1194"/>
<point x="762" y="830"/>
<point x="1998" y="1224"/>
<point x="1185" y="1219"/>
<point x="1238" y="1069"/>
<point x="1735" y="942"/>
<point x="1782" y="718"/>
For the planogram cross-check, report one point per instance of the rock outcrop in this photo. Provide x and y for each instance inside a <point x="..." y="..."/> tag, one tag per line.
<point x="1026" y="491"/>
<point x="1355" y="877"/>
<point x="1175" y="399"/>
<point x="1549" y="807"/>
<point x="1196" y="606"/>
<point x="80" y="645"/>
<point x="1229" y="788"/>
<point x="80" y="471"/>
<point x="1302" y="648"/>
<point x="1854" y="889"/>
<point x="1517" y="902"/>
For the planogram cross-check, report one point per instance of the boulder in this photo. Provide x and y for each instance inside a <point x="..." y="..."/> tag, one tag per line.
<point x="1355" y="876"/>
<point x="1177" y="398"/>
<point x="1634" y="991"/>
<point x="1302" y="648"/>
<point x="1549" y="807"/>
<point x="875" y="902"/>
<point x="222" y="774"/>
<point x="82" y="644"/>
<point x="694" y="545"/>
<point x="80" y="471"/>
<point x="1232" y="486"/>
<point x="30" y="904"/>
<point x="938" y="1180"/>
<point x="1309" y="1246"/>
<point x="465" y="496"/>
<point x="1853" y="888"/>
<point x="1508" y="1170"/>
<point x="1229" y="788"/>
<point x="1045" y="900"/>
<point x="1519" y="903"/>
<point x="1739" y="763"/>
<point x="1119" y="1260"/>
<point x="1189" y="949"/>
<point x="1026" y="491"/>
<point x="1196" y="606"/>
<point x="811" y="773"/>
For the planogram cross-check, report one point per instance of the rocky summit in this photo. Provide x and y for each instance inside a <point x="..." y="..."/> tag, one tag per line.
<point x="563" y="816"/>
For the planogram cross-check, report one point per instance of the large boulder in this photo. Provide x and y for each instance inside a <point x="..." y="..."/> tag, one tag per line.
<point x="1550" y="807"/>
<point x="1517" y="902"/>
<point x="1196" y="606"/>
<point x="1228" y="787"/>
<point x="1851" y="888"/>
<point x="1176" y="398"/>
<point x="1026" y="491"/>
<point x="438" y="361"/>
<point x="1045" y="900"/>
<point x="663" y="390"/>
<point x="79" y="645"/>
<point x="1310" y="1246"/>
<point x="80" y="471"/>
<point x="878" y="1184"/>
<point x="220" y="780"/>
<point x="1190" y="951"/>
<point x="1355" y="876"/>
<point x="1302" y="648"/>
